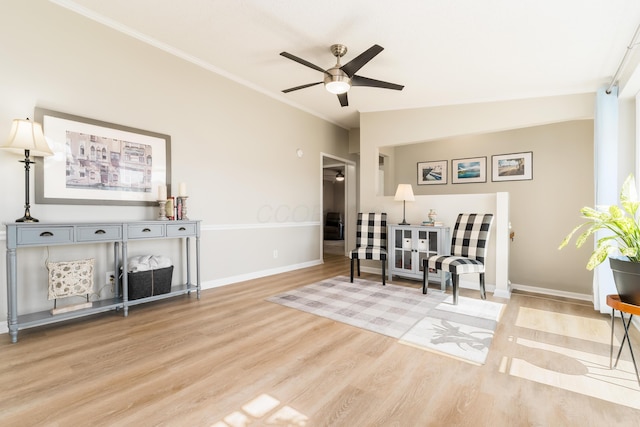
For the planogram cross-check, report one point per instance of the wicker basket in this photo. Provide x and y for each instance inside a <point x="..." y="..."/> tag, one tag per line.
<point x="142" y="284"/>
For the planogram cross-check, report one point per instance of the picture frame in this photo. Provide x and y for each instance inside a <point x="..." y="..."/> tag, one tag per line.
<point x="512" y="167"/>
<point x="432" y="172"/>
<point x="100" y="163"/>
<point x="469" y="170"/>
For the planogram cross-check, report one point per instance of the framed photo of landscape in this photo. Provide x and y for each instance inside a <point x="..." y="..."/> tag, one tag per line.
<point x="430" y="173"/>
<point x="512" y="167"/>
<point x="100" y="163"/>
<point x="473" y="169"/>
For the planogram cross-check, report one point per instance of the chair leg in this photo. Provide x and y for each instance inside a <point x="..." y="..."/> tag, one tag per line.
<point x="454" y="279"/>
<point x="358" y="260"/>
<point x="424" y="278"/>
<point x="384" y="261"/>
<point x="483" y="294"/>
<point x="352" y="260"/>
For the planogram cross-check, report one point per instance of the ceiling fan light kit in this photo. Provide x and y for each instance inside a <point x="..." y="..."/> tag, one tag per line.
<point x="339" y="78"/>
<point x="336" y="81"/>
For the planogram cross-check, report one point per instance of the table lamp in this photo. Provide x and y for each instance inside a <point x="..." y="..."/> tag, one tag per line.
<point x="404" y="193"/>
<point x="26" y="138"/>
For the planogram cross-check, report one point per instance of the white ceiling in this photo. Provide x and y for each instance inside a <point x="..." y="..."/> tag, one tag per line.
<point x="444" y="52"/>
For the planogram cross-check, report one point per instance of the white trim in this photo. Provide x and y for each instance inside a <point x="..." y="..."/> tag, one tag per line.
<point x="553" y="292"/>
<point x="210" y="284"/>
<point x="218" y="227"/>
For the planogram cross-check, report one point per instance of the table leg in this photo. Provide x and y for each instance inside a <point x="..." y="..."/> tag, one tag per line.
<point x="613" y="319"/>
<point x="12" y="295"/>
<point x="628" y="338"/>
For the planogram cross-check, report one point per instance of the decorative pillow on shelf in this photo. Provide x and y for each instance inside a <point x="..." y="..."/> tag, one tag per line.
<point x="70" y="278"/>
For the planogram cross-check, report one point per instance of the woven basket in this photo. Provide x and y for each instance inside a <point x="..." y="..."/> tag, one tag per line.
<point x="142" y="284"/>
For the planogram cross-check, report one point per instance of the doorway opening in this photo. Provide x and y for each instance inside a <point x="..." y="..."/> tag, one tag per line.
<point x="338" y="205"/>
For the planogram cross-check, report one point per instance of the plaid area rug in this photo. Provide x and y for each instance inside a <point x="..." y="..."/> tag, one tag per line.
<point x="388" y="310"/>
<point x="430" y="322"/>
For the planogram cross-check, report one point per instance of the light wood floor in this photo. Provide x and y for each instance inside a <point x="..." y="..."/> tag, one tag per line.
<point x="233" y="359"/>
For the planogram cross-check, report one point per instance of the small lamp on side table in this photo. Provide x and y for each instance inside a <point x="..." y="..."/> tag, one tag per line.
<point x="404" y="194"/>
<point x="26" y="138"/>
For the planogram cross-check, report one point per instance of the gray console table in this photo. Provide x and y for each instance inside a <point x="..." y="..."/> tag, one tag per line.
<point x="21" y="235"/>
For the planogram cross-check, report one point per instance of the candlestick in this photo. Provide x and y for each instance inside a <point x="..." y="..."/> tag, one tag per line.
<point x="162" y="213"/>
<point x="183" y="202"/>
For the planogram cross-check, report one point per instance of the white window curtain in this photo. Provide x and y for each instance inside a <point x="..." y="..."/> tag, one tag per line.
<point x="606" y="181"/>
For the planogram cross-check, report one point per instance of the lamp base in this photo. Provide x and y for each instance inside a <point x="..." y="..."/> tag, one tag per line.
<point x="403" y="223"/>
<point x="27" y="218"/>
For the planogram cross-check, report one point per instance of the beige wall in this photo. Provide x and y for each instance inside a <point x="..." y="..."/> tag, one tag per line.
<point x="397" y="128"/>
<point x="234" y="147"/>
<point x="543" y="210"/>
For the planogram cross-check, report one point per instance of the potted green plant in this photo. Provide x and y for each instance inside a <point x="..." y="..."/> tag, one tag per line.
<point x="621" y="245"/>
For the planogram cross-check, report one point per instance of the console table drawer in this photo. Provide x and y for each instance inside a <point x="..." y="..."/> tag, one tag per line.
<point x="177" y="230"/>
<point x="45" y="235"/>
<point x="145" y="231"/>
<point x="99" y="232"/>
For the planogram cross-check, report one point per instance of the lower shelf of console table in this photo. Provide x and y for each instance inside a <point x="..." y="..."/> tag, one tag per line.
<point x="45" y="317"/>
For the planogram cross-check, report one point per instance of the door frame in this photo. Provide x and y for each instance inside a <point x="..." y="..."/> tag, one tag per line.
<point x="350" y="210"/>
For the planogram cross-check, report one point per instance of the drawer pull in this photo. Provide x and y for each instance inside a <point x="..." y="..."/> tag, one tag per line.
<point x="100" y="232"/>
<point x="182" y="229"/>
<point x="46" y="234"/>
<point x="146" y="230"/>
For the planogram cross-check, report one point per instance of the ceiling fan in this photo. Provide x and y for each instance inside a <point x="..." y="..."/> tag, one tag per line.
<point x="339" y="78"/>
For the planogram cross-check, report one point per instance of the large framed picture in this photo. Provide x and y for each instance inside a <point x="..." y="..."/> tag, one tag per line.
<point x="100" y="163"/>
<point x="430" y="173"/>
<point x="512" y="167"/>
<point x="469" y="170"/>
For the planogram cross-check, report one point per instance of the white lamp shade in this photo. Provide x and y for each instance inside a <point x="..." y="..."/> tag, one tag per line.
<point x="404" y="193"/>
<point x="27" y="135"/>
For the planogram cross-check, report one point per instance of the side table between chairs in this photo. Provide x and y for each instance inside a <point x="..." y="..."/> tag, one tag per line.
<point x="614" y="302"/>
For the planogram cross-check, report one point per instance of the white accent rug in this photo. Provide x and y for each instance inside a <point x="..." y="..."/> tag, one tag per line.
<point x="464" y="331"/>
<point x="430" y="322"/>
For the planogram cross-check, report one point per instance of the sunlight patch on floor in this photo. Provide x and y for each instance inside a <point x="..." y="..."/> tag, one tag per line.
<point x="568" y="325"/>
<point x="589" y="375"/>
<point x="260" y="407"/>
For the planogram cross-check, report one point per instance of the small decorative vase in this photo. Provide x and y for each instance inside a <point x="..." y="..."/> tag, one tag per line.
<point x="432" y="215"/>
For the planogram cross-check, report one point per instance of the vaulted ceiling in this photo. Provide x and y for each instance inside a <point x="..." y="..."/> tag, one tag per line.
<point x="443" y="52"/>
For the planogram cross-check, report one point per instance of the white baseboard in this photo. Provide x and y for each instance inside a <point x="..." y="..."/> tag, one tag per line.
<point x="210" y="284"/>
<point x="552" y="292"/>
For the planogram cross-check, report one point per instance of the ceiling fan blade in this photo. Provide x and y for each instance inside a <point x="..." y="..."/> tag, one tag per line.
<point x="344" y="101"/>
<point x="352" y="67"/>
<point x="365" y="81"/>
<point x="302" y="61"/>
<point x="301" y="87"/>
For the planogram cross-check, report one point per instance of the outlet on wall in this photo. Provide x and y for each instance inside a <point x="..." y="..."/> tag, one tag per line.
<point x="275" y="253"/>
<point x="109" y="277"/>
